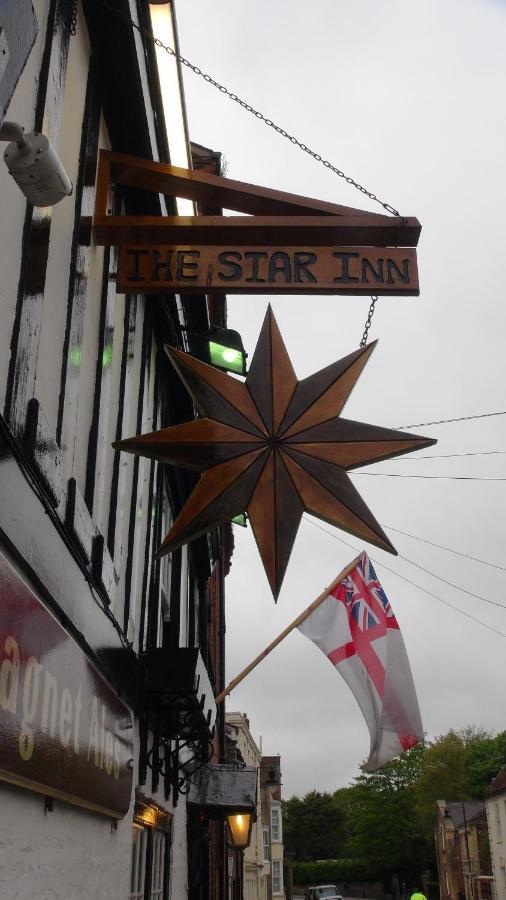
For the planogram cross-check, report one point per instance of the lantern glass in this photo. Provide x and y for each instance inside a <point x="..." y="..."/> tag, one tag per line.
<point x="240" y="829"/>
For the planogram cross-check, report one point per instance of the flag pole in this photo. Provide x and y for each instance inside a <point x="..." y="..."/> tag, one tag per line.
<point x="300" y="618"/>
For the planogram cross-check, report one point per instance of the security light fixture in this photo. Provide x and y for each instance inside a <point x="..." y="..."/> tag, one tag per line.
<point x="240" y="825"/>
<point x="241" y="520"/>
<point x="35" y="166"/>
<point x="226" y="350"/>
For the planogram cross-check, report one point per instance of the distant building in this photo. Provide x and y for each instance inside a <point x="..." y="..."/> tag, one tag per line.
<point x="256" y="865"/>
<point x="496" y="815"/>
<point x="272" y="821"/>
<point x="463" y="852"/>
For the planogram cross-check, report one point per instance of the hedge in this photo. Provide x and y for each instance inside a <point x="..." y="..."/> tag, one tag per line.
<point x="332" y="871"/>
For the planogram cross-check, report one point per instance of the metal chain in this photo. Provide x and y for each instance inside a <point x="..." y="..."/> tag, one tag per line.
<point x="260" y="116"/>
<point x="368" y="321"/>
<point x="73" y="20"/>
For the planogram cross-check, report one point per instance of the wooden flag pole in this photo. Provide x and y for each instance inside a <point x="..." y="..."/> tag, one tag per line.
<point x="303" y="615"/>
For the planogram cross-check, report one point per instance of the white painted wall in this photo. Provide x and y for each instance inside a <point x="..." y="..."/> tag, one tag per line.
<point x="67" y="854"/>
<point x="496" y="816"/>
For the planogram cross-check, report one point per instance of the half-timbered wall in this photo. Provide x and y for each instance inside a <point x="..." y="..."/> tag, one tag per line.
<point x="81" y="366"/>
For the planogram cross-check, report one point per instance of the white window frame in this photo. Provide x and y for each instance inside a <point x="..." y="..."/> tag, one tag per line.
<point x="266" y="844"/>
<point x="138" y="863"/>
<point x="158" y="839"/>
<point x="498" y="820"/>
<point x="277" y="879"/>
<point x="149" y="844"/>
<point x="276" y="827"/>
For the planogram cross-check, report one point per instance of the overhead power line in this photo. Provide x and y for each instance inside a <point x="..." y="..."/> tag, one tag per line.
<point x="448" y="455"/>
<point x="442" y="547"/>
<point x="429" y="572"/>
<point x="413" y="583"/>
<point x="445" y="421"/>
<point x="439" y="477"/>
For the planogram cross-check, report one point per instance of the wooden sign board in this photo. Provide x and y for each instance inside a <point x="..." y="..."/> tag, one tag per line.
<point x="385" y="271"/>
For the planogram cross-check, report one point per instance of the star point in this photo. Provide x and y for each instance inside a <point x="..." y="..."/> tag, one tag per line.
<point x="274" y="447"/>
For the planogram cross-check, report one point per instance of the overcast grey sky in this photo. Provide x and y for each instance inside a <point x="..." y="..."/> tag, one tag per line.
<point x="408" y="98"/>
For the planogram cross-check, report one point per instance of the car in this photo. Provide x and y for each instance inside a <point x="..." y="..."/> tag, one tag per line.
<point x="323" y="892"/>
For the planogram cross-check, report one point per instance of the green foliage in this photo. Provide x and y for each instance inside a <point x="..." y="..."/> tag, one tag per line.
<point x="334" y="871"/>
<point x="484" y="758"/>
<point x="314" y="827"/>
<point x="384" y="822"/>
<point x="382" y="816"/>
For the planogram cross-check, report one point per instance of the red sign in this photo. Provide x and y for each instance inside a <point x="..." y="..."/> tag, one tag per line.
<point x="63" y="730"/>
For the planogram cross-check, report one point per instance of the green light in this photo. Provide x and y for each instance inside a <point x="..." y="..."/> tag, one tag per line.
<point x="107" y="356"/>
<point x="240" y="520"/>
<point x="226" y="357"/>
<point x="75" y="357"/>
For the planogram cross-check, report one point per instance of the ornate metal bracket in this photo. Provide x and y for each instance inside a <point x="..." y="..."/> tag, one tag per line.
<point x="178" y="722"/>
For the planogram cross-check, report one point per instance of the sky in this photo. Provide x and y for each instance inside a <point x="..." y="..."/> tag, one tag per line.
<point x="408" y="99"/>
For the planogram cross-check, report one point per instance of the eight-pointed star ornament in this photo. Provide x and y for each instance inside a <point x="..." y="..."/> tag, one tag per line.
<point x="272" y="446"/>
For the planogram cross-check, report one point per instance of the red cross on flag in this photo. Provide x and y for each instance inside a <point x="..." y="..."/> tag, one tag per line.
<point x="356" y="629"/>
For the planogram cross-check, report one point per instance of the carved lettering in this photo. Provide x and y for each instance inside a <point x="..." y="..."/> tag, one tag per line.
<point x="136" y="254"/>
<point x="279" y="264"/>
<point x="255" y="256"/>
<point x="301" y="263"/>
<point x="164" y="267"/>
<point x="376" y="273"/>
<point x="345" y="277"/>
<point x="227" y="259"/>
<point x="183" y="262"/>
<point x="402" y="274"/>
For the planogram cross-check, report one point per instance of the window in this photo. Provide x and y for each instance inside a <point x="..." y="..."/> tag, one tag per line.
<point x="149" y="873"/>
<point x="277" y="877"/>
<point x="498" y="820"/>
<point x="138" y="867"/>
<point x="266" y="844"/>
<point x="275" y="823"/>
<point x="157" y="864"/>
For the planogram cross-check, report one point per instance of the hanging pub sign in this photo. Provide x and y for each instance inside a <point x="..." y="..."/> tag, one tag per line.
<point x="64" y="731"/>
<point x="285" y="244"/>
<point x="278" y="270"/>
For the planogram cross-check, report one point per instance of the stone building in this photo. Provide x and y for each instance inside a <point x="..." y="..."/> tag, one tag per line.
<point x="463" y="852"/>
<point x="272" y="822"/>
<point x="496" y="816"/>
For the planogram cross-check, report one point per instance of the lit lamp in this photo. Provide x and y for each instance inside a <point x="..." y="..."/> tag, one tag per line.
<point x="240" y="825"/>
<point x="226" y="350"/>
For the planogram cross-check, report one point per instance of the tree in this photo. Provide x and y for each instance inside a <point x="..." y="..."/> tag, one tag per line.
<point x="484" y="757"/>
<point x="443" y="777"/>
<point x="314" y="827"/>
<point x="382" y="817"/>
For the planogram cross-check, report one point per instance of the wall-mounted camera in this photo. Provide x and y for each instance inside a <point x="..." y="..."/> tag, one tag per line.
<point x="35" y="166"/>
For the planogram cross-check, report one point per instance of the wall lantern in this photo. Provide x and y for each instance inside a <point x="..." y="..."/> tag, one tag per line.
<point x="240" y="825"/>
<point x="227" y="792"/>
<point x="226" y="350"/>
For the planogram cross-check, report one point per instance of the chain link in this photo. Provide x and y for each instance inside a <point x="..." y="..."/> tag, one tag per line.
<point x="368" y="321"/>
<point x="73" y="20"/>
<point x="258" y="115"/>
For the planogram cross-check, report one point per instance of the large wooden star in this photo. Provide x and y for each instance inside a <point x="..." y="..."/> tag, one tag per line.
<point x="273" y="446"/>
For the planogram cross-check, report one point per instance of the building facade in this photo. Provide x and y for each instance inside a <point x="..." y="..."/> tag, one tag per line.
<point x="256" y="860"/>
<point x="496" y="816"/>
<point x="97" y="637"/>
<point x="272" y="823"/>
<point x="463" y="852"/>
